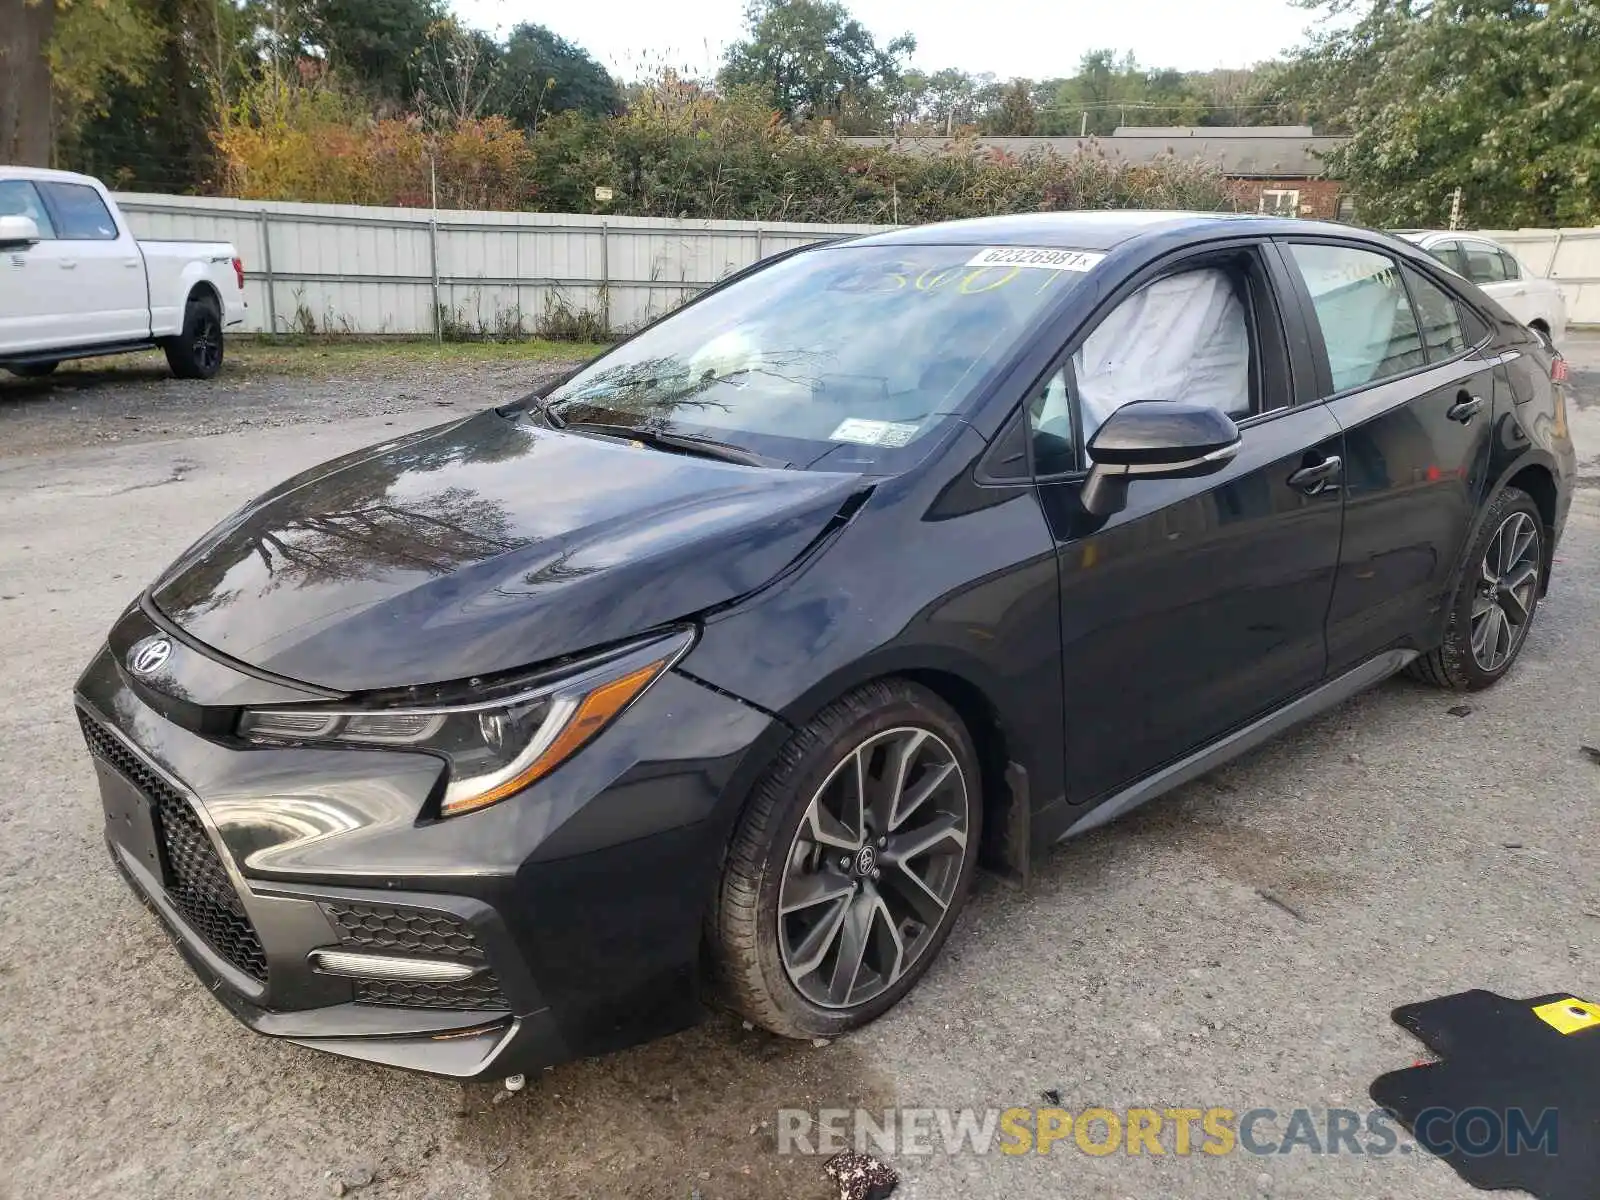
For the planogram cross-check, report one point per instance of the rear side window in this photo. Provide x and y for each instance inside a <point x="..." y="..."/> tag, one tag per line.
<point x="1484" y="263"/>
<point x="1366" y="319"/>
<point x="1512" y="268"/>
<point x="1449" y="253"/>
<point x="83" y="215"/>
<point x="1438" y="315"/>
<point x="18" y="198"/>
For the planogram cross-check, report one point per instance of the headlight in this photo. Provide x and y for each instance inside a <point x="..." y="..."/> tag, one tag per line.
<point x="495" y="747"/>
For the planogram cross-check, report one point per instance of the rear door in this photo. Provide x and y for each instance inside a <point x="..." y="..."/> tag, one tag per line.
<point x="1202" y="604"/>
<point x="1398" y="362"/>
<point x="101" y="263"/>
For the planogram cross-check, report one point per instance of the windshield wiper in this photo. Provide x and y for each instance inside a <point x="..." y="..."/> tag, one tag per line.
<point x="688" y="443"/>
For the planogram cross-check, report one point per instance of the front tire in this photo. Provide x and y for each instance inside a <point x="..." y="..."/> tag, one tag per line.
<point x="1496" y="596"/>
<point x="33" y="370"/>
<point x="850" y="863"/>
<point x="196" y="353"/>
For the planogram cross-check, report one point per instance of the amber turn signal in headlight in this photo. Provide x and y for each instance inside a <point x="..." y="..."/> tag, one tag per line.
<point x="497" y="747"/>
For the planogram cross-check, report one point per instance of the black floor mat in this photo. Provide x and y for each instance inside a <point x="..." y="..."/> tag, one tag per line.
<point x="1515" y="1103"/>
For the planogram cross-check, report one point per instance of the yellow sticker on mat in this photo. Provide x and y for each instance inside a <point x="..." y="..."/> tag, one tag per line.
<point x="1570" y="1015"/>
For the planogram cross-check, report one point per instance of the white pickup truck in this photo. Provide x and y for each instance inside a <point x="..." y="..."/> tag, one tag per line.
<point x="75" y="283"/>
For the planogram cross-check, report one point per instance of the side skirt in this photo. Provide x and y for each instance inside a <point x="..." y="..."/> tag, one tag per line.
<point x="1322" y="698"/>
<point x="68" y="353"/>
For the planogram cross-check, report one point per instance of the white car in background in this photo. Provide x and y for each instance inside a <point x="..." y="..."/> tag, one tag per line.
<point x="76" y="283"/>
<point x="1532" y="299"/>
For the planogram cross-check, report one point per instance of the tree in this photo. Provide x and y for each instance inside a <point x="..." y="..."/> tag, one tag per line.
<point x="458" y="72"/>
<point x="1496" y="97"/>
<point x="26" y="27"/>
<point x="542" y="73"/>
<point x="812" y="58"/>
<point x="1017" y="114"/>
<point x="375" y="44"/>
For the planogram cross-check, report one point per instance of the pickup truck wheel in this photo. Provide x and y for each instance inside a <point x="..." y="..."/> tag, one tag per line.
<point x="33" y="370"/>
<point x="196" y="353"/>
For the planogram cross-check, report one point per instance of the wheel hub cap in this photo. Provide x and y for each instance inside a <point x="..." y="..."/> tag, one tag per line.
<point x="866" y="862"/>
<point x="873" y="867"/>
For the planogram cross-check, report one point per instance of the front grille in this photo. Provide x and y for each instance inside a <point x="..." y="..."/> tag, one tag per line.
<point x="198" y="883"/>
<point x="387" y="929"/>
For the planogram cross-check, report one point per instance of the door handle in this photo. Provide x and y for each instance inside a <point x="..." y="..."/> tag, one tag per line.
<point x="131" y="263"/>
<point x="67" y="264"/>
<point x="1315" y="478"/>
<point x="1465" y="408"/>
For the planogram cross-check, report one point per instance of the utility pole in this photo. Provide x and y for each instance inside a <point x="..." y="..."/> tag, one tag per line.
<point x="1083" y="125"/>
<point x="1455" y="209"/>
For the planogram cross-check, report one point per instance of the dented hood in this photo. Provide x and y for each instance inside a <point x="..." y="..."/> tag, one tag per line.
<point x="484" y="546"/>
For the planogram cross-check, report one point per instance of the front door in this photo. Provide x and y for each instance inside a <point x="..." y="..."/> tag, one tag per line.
<point x="1202" y="604"/>
<point x="1416" y="403"/>
<point x="36" y="302"/>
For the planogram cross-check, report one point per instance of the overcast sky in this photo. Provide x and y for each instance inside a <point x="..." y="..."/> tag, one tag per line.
<point x="1032" y="38"/>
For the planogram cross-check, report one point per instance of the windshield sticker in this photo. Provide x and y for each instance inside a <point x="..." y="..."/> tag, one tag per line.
<point x="1031" y="256"/>
<point x="862" y="432"/>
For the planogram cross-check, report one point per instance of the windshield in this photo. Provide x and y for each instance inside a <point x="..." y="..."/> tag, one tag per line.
<point x="870" y="346"/>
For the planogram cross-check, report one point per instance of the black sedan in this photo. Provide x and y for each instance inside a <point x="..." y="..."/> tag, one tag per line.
<point x="713" y="673"/>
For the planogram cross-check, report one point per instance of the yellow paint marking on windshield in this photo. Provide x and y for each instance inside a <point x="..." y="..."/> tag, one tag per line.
<point x="924" y="284"/>
<point x="967" y="289"/>
<point x="974" y="281"/>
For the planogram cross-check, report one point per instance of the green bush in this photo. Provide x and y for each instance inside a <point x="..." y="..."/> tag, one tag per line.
<point x="682" y="151"/>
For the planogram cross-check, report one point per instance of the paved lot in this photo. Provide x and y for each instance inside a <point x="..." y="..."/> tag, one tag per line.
<point x="1410" y="852"/>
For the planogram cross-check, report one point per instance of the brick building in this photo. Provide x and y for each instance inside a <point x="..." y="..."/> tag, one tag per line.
<point x="1269" y="168"/>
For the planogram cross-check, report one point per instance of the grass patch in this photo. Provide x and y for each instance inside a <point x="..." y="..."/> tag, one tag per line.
<point x="255" y="355"/>
<point x="313" y="356"/>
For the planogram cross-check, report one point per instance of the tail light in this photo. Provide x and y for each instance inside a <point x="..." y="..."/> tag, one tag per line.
<point x="1558" y="369"/>
<point x="238" y="272"/>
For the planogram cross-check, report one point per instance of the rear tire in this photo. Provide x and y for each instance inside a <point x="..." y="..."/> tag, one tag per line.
<point x="1496" y="597"/>
<point x="819" y="928"/>
<point x="34" y="370"/>
<point x="196" y="353"/>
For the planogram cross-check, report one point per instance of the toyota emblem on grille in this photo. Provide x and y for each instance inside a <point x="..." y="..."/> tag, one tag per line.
<point x="150" y="656"/>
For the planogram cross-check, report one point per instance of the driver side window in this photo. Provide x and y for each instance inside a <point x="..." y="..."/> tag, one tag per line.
<point x="1181" y="337"/>
<point x="1184" y="337"/>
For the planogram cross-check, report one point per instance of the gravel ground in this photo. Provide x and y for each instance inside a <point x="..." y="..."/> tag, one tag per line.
<point x="135" y="398"/>
<point x="1407" y="852"/>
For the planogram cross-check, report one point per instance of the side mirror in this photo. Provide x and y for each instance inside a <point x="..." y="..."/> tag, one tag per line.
<point x="1155" y="439"/>
<point x="17" y="232"/>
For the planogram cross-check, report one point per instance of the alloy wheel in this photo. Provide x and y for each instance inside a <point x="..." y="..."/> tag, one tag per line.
<point x="207" y="342"/>
<point x="873" y="868"/>
<point x="1507" y="592"/>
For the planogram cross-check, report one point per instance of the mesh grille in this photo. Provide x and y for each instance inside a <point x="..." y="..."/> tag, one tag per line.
<point x="481" y="992"/>
<point x="198" y="886"/>
<point x="384" y="929"/>
<point x="380" y="927"/>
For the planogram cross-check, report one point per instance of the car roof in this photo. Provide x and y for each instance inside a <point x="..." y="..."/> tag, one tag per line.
<point x="1092" y="230"/>
<point x="44" y="175"/>
<point x="1424" y="237"/>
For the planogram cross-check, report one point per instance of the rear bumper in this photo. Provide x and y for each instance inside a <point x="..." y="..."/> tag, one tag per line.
<point x="579" y="904"/>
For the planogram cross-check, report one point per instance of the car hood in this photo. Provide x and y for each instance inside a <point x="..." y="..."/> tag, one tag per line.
<point x="483" y="546"/>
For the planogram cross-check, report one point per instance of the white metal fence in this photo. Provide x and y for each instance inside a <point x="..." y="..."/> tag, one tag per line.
<point x="1569" y="256"/>
<point x="353" y="269"/>
<point x="347" y="268"/>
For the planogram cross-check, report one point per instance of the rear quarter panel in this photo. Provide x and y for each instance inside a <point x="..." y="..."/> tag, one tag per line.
<point x="177" y="269"/>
